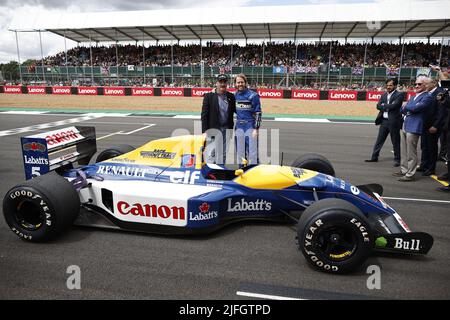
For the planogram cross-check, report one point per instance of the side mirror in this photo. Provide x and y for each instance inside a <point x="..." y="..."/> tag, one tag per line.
<point x="239" y="172"/>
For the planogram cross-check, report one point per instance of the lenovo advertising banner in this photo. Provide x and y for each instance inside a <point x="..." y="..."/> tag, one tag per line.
<point x="36" y="89"/>
<point x="306" y="94"/>
<point x="87" y="91"/>
<point x="200" y="92"/>
<point x="373" y="95"/>
<point x="12" y="89"/>
<point x="172" y="92"/>
<point x="410" y="94"/>
<point x="61" y="90"/>
<point x="342" y="95"/>
<point x="113" y="91"/>
<point x="142" y="92"/>
<point x="271" y="93"/>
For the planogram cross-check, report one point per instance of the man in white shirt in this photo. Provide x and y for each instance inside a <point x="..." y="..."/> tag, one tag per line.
<point x="390" y="120"/>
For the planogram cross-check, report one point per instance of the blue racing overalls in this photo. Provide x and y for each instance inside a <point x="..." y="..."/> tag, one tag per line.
<point x="248" y="111"/>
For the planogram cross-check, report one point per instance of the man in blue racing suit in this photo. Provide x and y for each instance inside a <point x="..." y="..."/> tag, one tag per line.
<point x="248" y="121"/>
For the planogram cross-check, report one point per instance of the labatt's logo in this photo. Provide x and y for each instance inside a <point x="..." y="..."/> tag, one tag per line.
<point x="33" y="160"/>
<point x="243" y="205"/>
<point x="204" y="213"/>
<point x="151" y="210"/>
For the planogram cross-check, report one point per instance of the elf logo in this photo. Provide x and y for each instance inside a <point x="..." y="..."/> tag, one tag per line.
<point x="409" y="245"/>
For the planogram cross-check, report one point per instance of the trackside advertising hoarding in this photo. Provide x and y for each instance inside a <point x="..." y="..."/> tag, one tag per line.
<point x="88" y="91"/>
<point x="36" y="90"/>
<point x="172" y="92"/>
<point x="200" y="92"/>
<point x="270" y="93"/>
<point x="298" y="94"/>
<point x="12" y="89"/>
<point x="342" y="95"/>
<point x="113" y="91"/>
<point x="306" y="94"/>
<point x="142" y="92"/>
<point x="373" y="95"/>
<point x="61" y="90"/>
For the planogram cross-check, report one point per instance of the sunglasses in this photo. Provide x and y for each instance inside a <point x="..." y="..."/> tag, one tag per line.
<point x="419" y="84"/>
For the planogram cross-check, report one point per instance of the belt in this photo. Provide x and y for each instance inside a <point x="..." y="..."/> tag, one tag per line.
<point x="245" y="121"/>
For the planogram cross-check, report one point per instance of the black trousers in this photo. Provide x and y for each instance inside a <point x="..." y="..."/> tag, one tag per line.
<point x="429" y="146"/>
<point x="448" y="152"/>
<point x="388" y="129"/>
<point x="443" y="140"/>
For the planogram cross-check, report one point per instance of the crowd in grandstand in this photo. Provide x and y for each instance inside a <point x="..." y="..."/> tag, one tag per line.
<point x="269" y="54"/>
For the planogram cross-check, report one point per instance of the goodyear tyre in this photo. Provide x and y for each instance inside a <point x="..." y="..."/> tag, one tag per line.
<point x="334" y="236"/>
<point x="114" y="152"/>
<point x="41" y="208"/>
<point x="315" y="162"/>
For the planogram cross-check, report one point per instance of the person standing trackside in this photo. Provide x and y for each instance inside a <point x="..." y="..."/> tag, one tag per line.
<point x="412" y="129"/>
<point x="390" y="120"/>
<point x="217" y="115"/>
<point x="433" y="123"/>
<point x="248" y="121"/>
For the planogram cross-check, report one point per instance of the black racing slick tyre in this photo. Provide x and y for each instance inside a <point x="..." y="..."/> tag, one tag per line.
<point x="315" y="162"/>
<point x="114" y="152"/>
<point x="41" y="208"/>
<point x="334" y="236"/>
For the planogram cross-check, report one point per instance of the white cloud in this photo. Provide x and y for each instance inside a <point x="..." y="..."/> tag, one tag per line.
<point x="29" y="42"/>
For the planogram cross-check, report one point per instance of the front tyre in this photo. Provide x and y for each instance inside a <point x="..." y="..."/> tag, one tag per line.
<point x="334" y="236"/>
<point x="41" y="208"/>
<point x="315" y="162"/>
<point x="114" y="152"/>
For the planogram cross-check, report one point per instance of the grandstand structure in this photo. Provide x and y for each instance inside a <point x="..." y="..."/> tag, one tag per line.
<point x="398" y="21"/>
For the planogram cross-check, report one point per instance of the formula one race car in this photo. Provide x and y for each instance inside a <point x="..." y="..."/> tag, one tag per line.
<point x="164" y="187"/>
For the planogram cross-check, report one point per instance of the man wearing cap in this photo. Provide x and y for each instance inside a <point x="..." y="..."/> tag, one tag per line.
<point x="248" y="121"/>
<point x="218" y="109"/>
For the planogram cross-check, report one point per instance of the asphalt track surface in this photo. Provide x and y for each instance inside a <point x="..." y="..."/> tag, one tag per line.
<point x="241" y="261"/>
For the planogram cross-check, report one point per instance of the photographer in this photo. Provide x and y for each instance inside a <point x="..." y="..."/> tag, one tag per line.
<point x="443" y="99"/>
<point x="433" y="122"/>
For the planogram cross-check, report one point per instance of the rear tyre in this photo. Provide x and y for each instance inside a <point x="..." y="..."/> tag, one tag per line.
<point x="41" y="208"/>
<point x="114" y="152"/>
<point x="315" y="162"/>
<point x="334" y="236"/>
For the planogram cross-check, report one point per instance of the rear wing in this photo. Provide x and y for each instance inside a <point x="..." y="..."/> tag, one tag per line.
<point x="51" y="150"/>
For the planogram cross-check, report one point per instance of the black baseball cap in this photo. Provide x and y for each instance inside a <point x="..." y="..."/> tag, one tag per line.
<point x="222" y="77"/>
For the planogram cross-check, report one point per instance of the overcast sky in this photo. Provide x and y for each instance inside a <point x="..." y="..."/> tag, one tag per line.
<point x="29" y="42"/>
